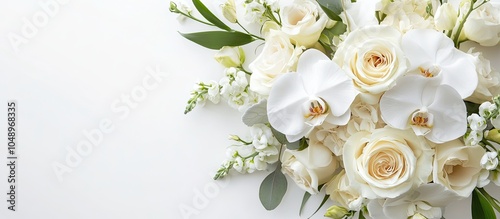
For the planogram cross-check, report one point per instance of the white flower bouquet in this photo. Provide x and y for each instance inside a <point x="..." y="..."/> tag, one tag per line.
<point x="371" y="102"/>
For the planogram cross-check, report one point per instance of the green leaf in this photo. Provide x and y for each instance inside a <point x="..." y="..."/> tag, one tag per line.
<point x="218" y="39"/>
<point x="361" y="215"/>
<point x="272" y="189"/>
<point x="471" y="107"/>
<point x="321" y="205"/>
<point x="306" y="197"/>
<point x="481" y="207"/>
<point x="298" y="145"/>
<point x="279" y="136"/>
<point x="332" y="8"/>
<point x="207" y="14"/>
<point x="338" y="29"/>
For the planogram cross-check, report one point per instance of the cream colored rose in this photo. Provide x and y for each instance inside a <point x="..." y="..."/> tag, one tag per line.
<point x="373" y="58"/>
<point x="483" y="25"/>
<point x="310" y="167"/>
<point x="277" y="57"/>
<point x="446" y="17"/>
<point x="339" y="190"/>
<point x="457" y="167"/>
<point x="488" y="79"/>
<point x="387" y="162"/>
<point x="303" y="21"/>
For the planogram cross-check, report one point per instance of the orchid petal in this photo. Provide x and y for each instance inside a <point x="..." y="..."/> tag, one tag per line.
<point x="422" y="46"/>
<point x="398" y="104"/>
<point x="450" y="115"/>
<point x="337" y="90"/>
<point x="308" y="68"/>
<point x="284" y="105"/>
<point x="460" y="73"/>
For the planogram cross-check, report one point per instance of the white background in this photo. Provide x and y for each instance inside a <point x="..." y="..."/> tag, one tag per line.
<point x="72" y="74"/>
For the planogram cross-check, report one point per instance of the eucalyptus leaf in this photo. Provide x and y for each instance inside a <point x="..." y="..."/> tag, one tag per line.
<point x="338" y="29"/>
<point x="321" y="205"/>
<point x="279" y="136"/>
<point x="306" y="197"/>
<point x="256" y="114"/>
<point x="298" y="145"/>
<point x="332" y="8"/>
<point x="272" y="189"/>
<point x="218" y="39"/>
<point x="207" y="14"/>
<point x="481" y="207"/>
<point x="361" y="215"/>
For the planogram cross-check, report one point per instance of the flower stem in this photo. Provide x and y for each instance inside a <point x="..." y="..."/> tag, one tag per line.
<point x="248" y="32"/>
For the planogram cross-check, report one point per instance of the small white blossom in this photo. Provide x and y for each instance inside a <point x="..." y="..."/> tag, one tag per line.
<point x="473" y="138"/>
<point x="254" y="12"/>
<point x="213" y="92"/>
<point x="486" y="108"/>
<point x="483" y="179"/>
<point x="476" y="122"/>
<point x="262" y="136"/>
<point x="489" y="160"/>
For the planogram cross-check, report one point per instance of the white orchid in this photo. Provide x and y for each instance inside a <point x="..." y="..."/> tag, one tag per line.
<point x="319" y="91"/>
<point x="431" y="109"/>
<point x="433" y="55"/>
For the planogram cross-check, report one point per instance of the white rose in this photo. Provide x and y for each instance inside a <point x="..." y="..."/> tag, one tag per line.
<point x="387" y="162"/>
<point x="278" y="56"/>
<point x="310" y="167"/>
<point x="373" y="58"/>
<point x="303" y="21"/>
<point x="339" y="190"/>
<point x="427" y="201"/>
<point x="445" y="17"/>
<point x="457" y="167"/>
<point x="488" y="79"/>
<point x="355" y="13"/>
<point x="489" y="160"/>
<point x="483" y="25"/>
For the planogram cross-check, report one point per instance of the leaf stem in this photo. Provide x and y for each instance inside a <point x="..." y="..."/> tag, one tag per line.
<point x="195" y="19"/>
<point x="248" y="32"/>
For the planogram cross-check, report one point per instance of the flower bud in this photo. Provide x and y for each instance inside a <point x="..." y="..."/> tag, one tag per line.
<point x="230" y="56"/>
<point x="493" y="135"/>
<point x="418" y="216"/>
<point x="229" y="11"/>
<point x="173" y="7"/>
<point x="337" y="212"/>
<point x="446" y="17"/>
